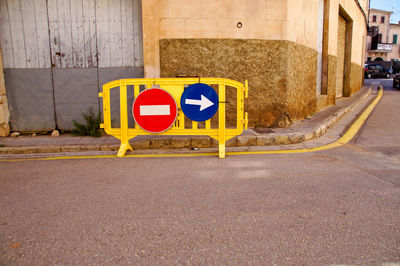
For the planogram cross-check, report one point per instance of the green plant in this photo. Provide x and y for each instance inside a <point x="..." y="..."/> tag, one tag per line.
<point x="91" y="126"/>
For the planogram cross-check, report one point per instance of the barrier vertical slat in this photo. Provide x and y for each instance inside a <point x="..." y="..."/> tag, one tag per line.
<point x="194" y="124"/>
<point x="221" y="118"/>
<point x="208" y="124"/>
<point x="246" y="94"/>
<point x="176" y="91"/>
<point x="240" y="107"/>
<point x="124" y="119"/>
<point x="136" y="91"/>
<point x="106" y="108"/>
<point x="181" y="116"/>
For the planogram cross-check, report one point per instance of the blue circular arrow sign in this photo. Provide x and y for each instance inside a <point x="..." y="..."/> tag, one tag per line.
<point x="199" y="102"/>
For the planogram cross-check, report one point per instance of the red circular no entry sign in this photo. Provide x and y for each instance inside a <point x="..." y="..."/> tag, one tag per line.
<point x="154" y="110"/>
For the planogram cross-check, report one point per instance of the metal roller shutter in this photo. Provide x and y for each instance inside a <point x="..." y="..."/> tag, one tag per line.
<point x="340" y="56"/>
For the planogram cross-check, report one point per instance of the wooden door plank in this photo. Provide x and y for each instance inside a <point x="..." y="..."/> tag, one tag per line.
<point x="6" y="39"/>
<point x="137" y="33"/>
<point x="52" y="9"/>
<point x="89" y="24"/>
<point x="17" y="33"/>
<point x="128" y="53"/>
<point x="77" y="33"/>
<point x="65" y="32"/>
<point x="29" y="24"/>
<point x="115" y="33"/>
<point x="42" y="33"/>
<point x="103" y="33"/>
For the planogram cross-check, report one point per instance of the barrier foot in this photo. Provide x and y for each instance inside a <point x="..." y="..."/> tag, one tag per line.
<point x="222" y="151"/>
<point x="123" y="148"/>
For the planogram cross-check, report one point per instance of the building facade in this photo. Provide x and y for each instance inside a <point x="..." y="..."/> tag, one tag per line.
<point x="384" y="45"/>
<point x="394" y="33"/>
<point x="299" y="56"/>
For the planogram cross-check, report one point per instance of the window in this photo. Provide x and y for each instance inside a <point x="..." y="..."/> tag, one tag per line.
<point x="373" y="18"/>
<point x="394" y="39"/>
<point x="382" y="19"/>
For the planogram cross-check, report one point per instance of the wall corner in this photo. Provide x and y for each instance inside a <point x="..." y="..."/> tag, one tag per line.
<point x="4" y="111"/>
<point x="151" y="37"/>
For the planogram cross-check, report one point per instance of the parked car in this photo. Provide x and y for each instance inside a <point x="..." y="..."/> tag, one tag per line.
<point x="396" y="81"/>
<point x="376" y="71"/>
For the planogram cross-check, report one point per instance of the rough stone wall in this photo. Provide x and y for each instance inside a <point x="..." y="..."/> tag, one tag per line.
<point x="301" y="89"/>
<point x="356" y="77"/>
<point x="281" y="83"/>
<point x="4" y="112"/>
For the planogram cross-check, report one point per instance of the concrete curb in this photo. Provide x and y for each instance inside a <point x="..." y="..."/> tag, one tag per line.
<point x="246" y="139"/>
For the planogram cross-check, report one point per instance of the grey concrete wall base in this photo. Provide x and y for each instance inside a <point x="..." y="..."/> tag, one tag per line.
<point x="45" y="99"/>
<point x="113" y="73"/>
<point x="75" y="91"/>
<point x="30" y="98"/>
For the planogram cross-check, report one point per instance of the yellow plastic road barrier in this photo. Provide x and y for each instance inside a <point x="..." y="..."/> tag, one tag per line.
<point x="175" y="87"/>
<point x="351" y="132"/>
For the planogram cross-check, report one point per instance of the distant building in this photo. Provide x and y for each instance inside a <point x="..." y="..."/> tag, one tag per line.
<point x="394" y="38"/>
<point x="384" y="46"/>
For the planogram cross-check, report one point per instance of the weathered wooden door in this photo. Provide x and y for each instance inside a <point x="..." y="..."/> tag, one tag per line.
<point x="24" y="40"/>
<point x="58" y="53"/>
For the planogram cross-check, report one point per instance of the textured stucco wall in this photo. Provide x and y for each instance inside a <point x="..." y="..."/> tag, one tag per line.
<point x="291" y="20"/>
<point x="301" y="87"/>
<point x="275" y="49"/>
<point x="171" y="19"/>
<point x="281" y="74"/>
<point x="4" y="111"/>
<point x="302" y="22"/>
<point x="358" y="31"/>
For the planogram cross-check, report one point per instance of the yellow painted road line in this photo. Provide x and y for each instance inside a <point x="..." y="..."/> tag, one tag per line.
<point x="355" y="127"/>
<point x="110" y="156"/>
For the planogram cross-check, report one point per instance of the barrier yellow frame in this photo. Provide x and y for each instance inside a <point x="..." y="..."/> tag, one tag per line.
<point x="175" y="86"/>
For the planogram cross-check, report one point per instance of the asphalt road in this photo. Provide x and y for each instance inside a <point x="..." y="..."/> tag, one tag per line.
<point x="339" y="206"/>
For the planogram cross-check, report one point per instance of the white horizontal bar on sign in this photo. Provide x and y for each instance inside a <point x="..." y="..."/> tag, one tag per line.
<point x="155" y="110"/>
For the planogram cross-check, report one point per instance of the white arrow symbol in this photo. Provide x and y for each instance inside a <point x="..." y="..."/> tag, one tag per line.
<point x="204" y="102"/>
